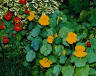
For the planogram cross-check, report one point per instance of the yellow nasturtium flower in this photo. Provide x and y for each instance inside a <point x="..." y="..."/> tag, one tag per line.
<point x="71" y="38"/>
<point x="44" y="20"/>
<point x="50" y="39"/>
<point x="45" y="63"/>
<point x="64" y="52"/>
<point x="55" y="46"/>
<point x="55" y="35"/>
<point x="80" y="51"/>
<point x="31" y="16"/>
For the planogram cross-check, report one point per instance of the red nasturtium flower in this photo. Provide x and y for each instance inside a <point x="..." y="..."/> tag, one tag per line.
<point x="26" y="10"/>
<point x="5" y="40"/>
<point x="17" y="20"/>
<point x="88" y="44"/>
<point x="8" y="16"/>
<point x="22" y="1"/>
<point x="17" y="27"/>
<point x="2" y="25"/>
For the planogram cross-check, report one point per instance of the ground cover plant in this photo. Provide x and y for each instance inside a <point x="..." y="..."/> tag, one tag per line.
<point x="47" y="38"/>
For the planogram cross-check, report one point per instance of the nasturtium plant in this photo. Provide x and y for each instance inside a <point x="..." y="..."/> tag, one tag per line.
<point x="53" y="58"/>
<point x="56" y="70"/>
<point x="47" y="37"/>
<point x="35" y="44"/>
<point x="53" y="22"/>
<point x="68" y="70"/>
<point x="63" y="59"/>
<point x="91" y="55"/>
<point x="82" y="71"/>
<point x="64" y="42"/>
<point x="30" y="56"/>
<point x="78" y="61"/>
<point x="35" y="32"/>
<point x="30" y="25"/>
<point x="58" y="51"/>
<point x="46" y="49"/>
<point x="91" y="51"/>
<point x="64" y="31"/>
<point x="49" y="72"/>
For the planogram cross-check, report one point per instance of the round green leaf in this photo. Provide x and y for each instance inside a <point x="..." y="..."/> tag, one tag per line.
<point x="30" y="56"/>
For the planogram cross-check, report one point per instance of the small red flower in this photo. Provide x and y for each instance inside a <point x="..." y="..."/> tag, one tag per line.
<point x="8" y="16"/>
<point x="22" y="1"/>
<point x="2" y="25"/>
<point x="26" y="8"/>
<point x="17" y="20"/>
<point x="26" y="12"/>
<point x="5" y="40"/>
<point x="88" y="44"/>
<point x="18" y="27"/>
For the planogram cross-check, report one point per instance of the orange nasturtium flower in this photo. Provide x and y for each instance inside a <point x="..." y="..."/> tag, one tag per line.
<point x="31" y="16"/>
<point x="45" y="63"/>
<point x="44" y="20"/>
<point x="50" y="39"/>
<point x="80" y="54"/>
<point x="31" y="13"/>
<point x="80" y="48"/>
<point x="71" y="38"/>
<point x="80" y="51"/>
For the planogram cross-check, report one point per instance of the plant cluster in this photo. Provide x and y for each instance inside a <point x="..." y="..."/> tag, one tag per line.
<point x="37" y="42"/>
